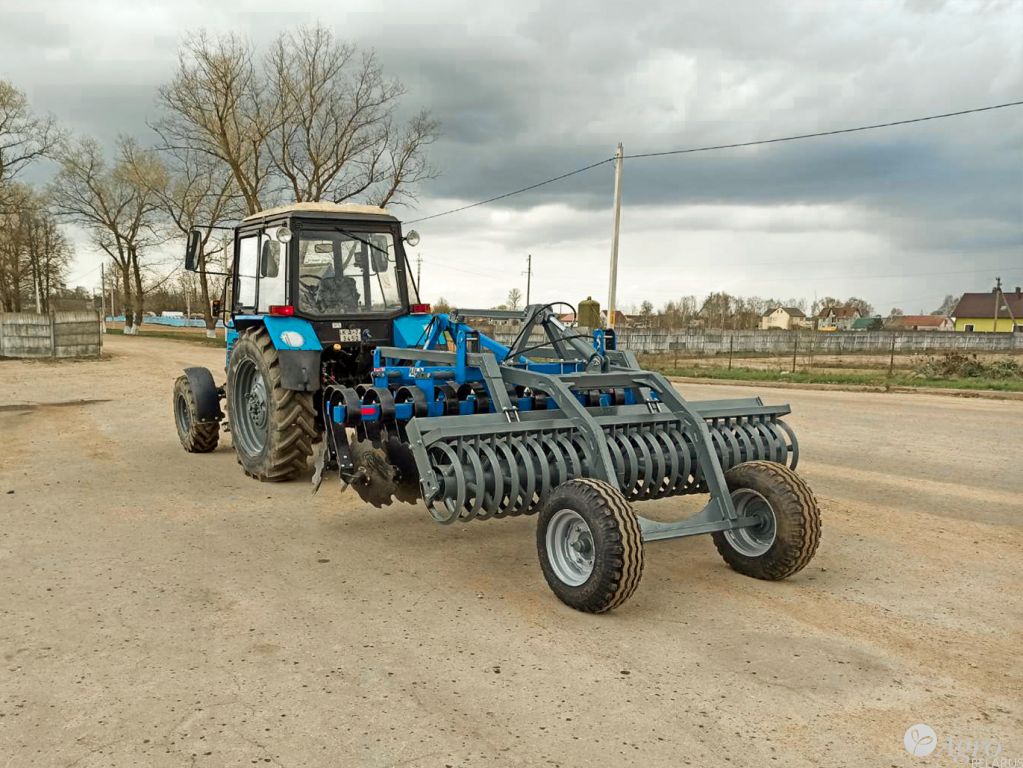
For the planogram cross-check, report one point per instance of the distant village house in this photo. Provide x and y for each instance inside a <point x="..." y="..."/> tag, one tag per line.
<point x="785" y="318"/>
<point x="837" y="318"/>
<point x="920" y="323"/>
<point x="976" y="312"/>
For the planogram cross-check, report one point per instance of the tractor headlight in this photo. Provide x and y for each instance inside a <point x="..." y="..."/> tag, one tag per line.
<point x="293" y="338"/>
<point x="283" y="235"/>
<point x="412" y="238"/>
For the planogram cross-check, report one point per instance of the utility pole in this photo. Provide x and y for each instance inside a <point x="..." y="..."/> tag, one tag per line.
<point x="614" y="238"/>
<point x="419" y="273"/>
<point x="102" y="297"/>
<point x="529" y="275"/>
<point x="998" y="303"/>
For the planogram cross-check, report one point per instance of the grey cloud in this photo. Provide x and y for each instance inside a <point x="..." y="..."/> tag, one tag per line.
<point x="543" y="88"/>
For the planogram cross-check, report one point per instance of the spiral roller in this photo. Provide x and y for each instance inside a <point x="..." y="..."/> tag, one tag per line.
<point x="512" y="474"/>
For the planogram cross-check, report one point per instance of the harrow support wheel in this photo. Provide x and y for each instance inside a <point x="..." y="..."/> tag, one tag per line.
<point x="787" y="538"/>
<point x="272" y="428"/>
<point x="195" y="436"/>
<point x="590" y="545"/>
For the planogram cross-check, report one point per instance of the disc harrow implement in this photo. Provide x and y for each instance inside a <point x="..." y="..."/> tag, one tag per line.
<point x="480" y="430"/>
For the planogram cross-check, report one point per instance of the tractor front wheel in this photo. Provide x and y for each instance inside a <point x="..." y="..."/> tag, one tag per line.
<point x="789" y="528"/>
<point x="590" y="545"/>
<point x="272" y="428"/>
<point x="196" y="436"/>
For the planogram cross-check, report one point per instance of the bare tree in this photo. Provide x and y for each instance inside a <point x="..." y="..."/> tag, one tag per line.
<point x="947" y="305"/>
<point x="314" y="120"/>
<point x="860" y="305"/>
<point x="35" y="256"/>
<point x="24" y="137"/>
<point x="216" y="106"/>
<point x="115" y="208"/>
<point x="514" y="298"/>
<point x="823" y="304"/>
<point x="194" y="193"/>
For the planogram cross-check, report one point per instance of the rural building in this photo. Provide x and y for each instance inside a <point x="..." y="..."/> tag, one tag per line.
<point x="837" y="318"/>
<point x="920" y="323"/>
<point x="976" y="311"/>
<point x="785" y="318"/>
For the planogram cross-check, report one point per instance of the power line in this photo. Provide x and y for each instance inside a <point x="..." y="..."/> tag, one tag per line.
<point x="514" y="192"/>
<point x="716" y="147"/>
<point x="826" y="133"/>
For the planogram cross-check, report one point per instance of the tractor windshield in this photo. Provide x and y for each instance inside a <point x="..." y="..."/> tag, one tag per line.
<point x="341" y="273"/>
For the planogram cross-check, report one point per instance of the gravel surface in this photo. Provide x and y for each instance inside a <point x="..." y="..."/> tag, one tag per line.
<point x="160" y="608"/>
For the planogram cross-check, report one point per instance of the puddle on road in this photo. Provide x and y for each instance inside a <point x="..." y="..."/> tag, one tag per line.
<point x="24" y="407"/>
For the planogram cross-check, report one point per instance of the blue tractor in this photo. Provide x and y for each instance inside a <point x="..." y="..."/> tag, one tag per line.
<point x="328" y="345"/>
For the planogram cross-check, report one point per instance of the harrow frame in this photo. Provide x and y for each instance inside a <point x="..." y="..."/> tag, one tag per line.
<point x="569" y="367"/>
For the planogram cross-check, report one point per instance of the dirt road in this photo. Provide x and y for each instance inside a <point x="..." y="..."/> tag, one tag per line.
<point x="161" y="609"/>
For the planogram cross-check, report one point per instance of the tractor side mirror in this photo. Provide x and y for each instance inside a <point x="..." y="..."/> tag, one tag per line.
<point x="192" y="250"/>
<point x="380" y="261"/>
<point x="216" y="307"/>
<point x="270" y="259"/>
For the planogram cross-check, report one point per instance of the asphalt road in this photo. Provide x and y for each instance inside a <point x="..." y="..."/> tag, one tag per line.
<point x="162" y="609"/>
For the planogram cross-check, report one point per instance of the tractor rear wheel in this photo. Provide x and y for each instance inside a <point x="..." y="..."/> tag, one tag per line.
<point x="272" y="428"/>
<point x="196" y="436"/>
<point x="790" y="529"/>
<point x="590" y="545"/>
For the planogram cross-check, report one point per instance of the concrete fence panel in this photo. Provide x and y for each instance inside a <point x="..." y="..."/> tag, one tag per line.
<point x="712" y="342"/>
<point x="60" y="334"/>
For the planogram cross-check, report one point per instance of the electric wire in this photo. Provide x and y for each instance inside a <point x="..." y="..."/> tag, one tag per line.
<point x="716" y="147"/>
<point x="818" y="134"/>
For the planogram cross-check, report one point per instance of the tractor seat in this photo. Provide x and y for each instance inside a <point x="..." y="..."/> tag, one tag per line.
<point x="337" y="294"/>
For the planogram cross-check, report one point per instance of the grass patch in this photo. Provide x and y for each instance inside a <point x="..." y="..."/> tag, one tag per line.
<point x="878" y="379"/>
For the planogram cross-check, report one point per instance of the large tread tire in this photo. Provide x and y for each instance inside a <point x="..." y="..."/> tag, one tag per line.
<point x="291" y="417"/>
<point x="797" y="521"/>
<point x="617" y="544"/>
<point x="195" y="436"/>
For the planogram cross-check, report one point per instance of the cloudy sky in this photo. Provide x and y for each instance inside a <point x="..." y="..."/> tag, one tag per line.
<point x="900" y="216"/>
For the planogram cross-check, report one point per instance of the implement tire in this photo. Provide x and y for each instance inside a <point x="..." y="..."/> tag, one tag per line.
<point x="590" y="545"/>
<point x="195" y="436"/>
<point x="787" y="539"/>
<point x="272" y="428"/>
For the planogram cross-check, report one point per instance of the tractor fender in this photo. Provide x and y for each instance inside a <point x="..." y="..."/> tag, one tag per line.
<point x="298" y="349"/>
<point x="207" y="395"/>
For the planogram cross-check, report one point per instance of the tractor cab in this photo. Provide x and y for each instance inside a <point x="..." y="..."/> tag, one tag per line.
<point x="341" y="268"/>
<point x="323" y="279"/>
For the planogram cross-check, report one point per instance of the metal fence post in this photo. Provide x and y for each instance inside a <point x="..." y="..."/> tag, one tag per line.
<point x="795" y="349"/>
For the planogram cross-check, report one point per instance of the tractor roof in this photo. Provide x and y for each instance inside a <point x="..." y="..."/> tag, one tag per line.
<point x="319" y="210"/>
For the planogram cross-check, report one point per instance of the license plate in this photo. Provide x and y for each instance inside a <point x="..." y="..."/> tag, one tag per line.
<point x="349" y="334"/>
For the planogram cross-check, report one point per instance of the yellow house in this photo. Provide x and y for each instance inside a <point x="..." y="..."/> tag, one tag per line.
<point x="976" y="312"/>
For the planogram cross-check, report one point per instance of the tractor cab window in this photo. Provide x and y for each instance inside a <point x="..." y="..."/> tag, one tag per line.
<point x="346" y="273"/>
<point x="248" y="255"/>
